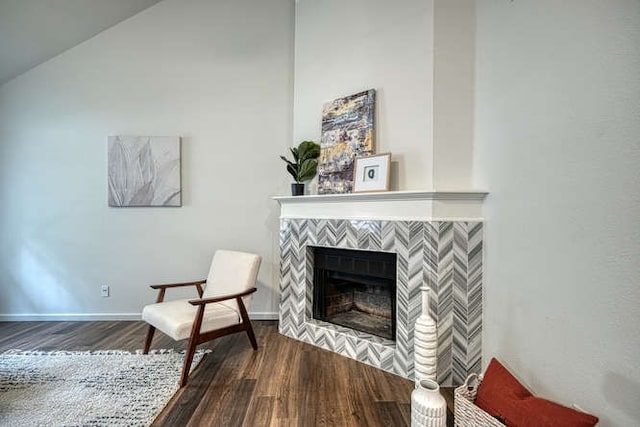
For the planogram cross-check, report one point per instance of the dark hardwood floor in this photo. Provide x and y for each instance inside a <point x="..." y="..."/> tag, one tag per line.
<point x="284" y="383"/>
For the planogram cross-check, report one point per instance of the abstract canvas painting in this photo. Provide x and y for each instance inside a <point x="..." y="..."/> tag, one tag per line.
<point x="144" y="171"/>
<point x="347" y="133"/>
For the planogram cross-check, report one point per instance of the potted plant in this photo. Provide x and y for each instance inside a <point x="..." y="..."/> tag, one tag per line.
<point x="304" y="165"/>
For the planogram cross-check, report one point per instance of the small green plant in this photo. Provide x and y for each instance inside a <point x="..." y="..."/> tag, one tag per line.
<point x="305" y="161"/>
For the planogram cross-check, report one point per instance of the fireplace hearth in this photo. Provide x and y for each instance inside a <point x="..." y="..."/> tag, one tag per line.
<point x="355" y="289"/>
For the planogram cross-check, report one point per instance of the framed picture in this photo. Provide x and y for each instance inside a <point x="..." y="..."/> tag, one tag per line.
<point x="372" y="173"/>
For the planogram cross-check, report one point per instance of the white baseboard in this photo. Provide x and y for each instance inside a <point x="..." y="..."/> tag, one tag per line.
<point x="263" y="315"/>
<point x="79" y="317"/>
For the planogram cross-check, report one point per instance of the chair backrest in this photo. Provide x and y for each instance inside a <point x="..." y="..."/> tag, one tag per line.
<point x="232" y="272"/>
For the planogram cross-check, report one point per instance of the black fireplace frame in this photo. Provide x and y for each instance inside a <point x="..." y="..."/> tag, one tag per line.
<point x="367" y="264"/>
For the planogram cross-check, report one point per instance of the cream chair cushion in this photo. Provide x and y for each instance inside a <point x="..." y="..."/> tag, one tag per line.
<point x="175" y="318"/>
<point x="232" y="272"/>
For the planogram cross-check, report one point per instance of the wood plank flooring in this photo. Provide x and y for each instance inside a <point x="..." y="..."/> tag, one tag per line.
<point x="284" y="383"/>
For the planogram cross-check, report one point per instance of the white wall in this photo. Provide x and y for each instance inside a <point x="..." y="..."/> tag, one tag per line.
<point x="343" y="47"/>
<point x="217" y="73"/>
<point x="557" y="143"/>
<point x="454" y="38"/>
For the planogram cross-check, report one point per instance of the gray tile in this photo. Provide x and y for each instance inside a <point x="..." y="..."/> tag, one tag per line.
<point x="444" y="255"/>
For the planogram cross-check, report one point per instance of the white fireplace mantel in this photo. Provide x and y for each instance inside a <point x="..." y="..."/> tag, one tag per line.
<point x="390" y="205"/>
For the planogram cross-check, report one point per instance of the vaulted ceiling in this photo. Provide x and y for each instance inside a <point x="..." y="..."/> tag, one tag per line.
<point x="34" y="31"/>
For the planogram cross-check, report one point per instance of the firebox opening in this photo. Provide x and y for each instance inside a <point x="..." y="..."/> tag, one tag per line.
<point x="356" y="289"/>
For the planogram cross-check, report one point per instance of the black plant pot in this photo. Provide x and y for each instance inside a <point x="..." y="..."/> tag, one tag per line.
<point x="297" y="189"/>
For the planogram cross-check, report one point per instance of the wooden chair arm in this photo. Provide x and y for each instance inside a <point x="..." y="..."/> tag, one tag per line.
<point x="198" y="284"/>
<point x="221" y="298"/>
<point x="177" y="285"/>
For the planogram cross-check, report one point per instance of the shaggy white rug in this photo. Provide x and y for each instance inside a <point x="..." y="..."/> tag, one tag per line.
<point x="99" y="388"/>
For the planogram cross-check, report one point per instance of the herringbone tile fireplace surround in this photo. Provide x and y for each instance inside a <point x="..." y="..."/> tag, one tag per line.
<point x="445" y="255"/>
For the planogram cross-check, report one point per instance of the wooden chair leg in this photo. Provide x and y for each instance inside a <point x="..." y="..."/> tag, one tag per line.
<point x="194" y="338"/>
<point x="147" y="341"/>
<point x="188" y="358"/>
<point x="252" y="336"/>
<point x="245" y="319"/>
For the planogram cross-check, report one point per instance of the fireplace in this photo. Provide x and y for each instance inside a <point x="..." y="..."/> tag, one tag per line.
<point x="445" y="255"/>
<point x="355" y="289"/>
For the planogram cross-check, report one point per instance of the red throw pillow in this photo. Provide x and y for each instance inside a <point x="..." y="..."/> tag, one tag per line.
<point x="502" y="396"/>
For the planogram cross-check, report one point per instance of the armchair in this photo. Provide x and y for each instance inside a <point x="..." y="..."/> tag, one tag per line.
<point x="220" y="310"/>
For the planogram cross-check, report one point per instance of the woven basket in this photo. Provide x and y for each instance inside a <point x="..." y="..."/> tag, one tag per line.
<point x="466" y="413"/>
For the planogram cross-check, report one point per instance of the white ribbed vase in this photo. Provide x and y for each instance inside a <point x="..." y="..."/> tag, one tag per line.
<point x="425" y="343"/>
<point x="428" y="407"/>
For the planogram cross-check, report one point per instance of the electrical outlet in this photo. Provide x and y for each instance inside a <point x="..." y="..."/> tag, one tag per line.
<point x="104" y="290"/>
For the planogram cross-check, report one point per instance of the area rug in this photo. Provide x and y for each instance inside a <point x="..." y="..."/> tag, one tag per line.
<point x="98" y="388"/>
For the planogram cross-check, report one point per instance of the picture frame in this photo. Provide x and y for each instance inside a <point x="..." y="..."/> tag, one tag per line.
<point x="372" y="173"/>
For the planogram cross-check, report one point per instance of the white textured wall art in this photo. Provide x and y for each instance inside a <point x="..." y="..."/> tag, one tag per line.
<point x="144" y="171"/>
